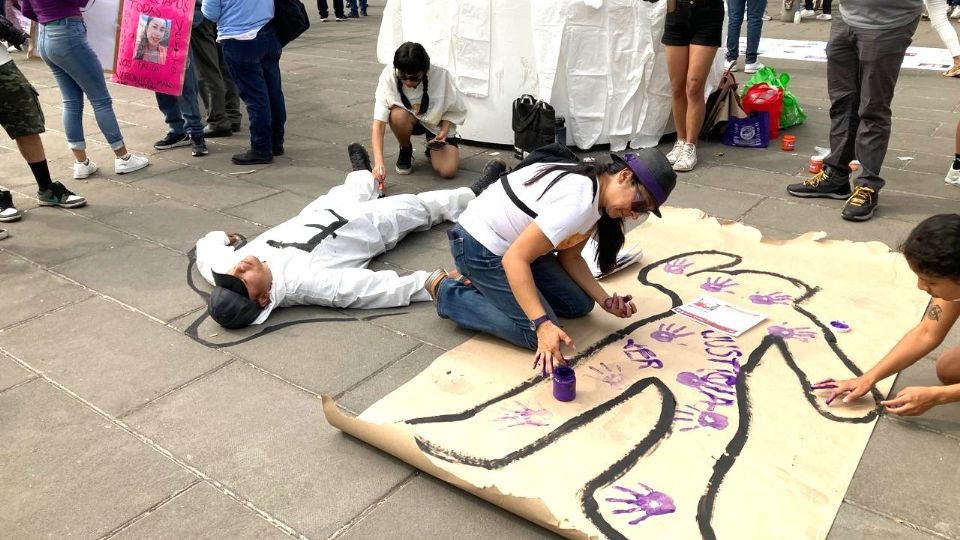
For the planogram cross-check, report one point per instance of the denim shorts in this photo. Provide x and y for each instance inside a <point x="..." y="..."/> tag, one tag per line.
<point x="694" y="22"/>
<point x="20" y="112"/>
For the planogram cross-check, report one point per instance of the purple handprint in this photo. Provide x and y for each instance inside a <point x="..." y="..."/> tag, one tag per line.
<point x="678" y="266"/>
<point x="524" y="416"/>
<point x="803" y="333"/>
<point x="716" y="285"/>
<point x="666" y="333"/>
<point x="614" y="378"/>
<point x="650" y="503"/>
<point x="770" y="299"/>
<point x="707" y="418"/>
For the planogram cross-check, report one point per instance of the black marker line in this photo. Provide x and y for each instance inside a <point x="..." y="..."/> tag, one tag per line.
<point x="562" y="430"/>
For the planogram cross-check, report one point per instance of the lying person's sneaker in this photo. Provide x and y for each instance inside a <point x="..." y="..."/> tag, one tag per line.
<point x="130" y="163"/>
<point x="492" y="172"/>
<point x="172" y="140"/>
<point x="826" y="184"/>
<point x="8" y="212"/>
<point x="211" y="132"/>
<point x="83" y="169"/>
<point x="252" y="158"/>
<point x="861" y="205"/>
<point x="687" y="159"/>
<point x="953" y="177"/>
<point x="199" y="146"/>
<point x="674" y="153"/>
<point x="359" y="158"/>
<point x="752" y="68"/>
<point x="405" y="160"/>
<point x="278" y="150"/>
<point x="58" y="195"/>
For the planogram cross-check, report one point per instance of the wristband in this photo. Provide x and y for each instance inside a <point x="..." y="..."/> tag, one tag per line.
<point x="534" y="324"/>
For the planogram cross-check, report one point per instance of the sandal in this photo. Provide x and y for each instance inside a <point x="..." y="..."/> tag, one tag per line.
<point x="954" y="71"/>
<point x="433" y="282"/>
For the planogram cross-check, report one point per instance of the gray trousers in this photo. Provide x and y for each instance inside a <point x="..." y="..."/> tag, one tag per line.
<point x="862" y="71"/>
<point x="217" y="89"/>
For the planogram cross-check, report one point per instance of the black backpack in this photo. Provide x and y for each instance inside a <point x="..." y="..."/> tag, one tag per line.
<point x="289" y="20"/>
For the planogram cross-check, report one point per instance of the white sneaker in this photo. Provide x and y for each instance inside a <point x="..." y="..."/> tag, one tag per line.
<point x="955" y="14"/>
<point x="807" y="13"/>
<point x="752" y="68"/>
<point x="131" y="164"/>
<point x="953" y="177"/>
<point x="687" y="159"/>
<point x="673" y="154"/>
<point x="730" y="65"/>
<point x="84" y="170"/>
<point x="766" y="16"/>
<point x="824" y="17"/>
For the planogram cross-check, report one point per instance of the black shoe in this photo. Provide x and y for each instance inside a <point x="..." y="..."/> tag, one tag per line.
<point x="405" y="160"/>
<point x="8" y="212"/>
<point x="199" y="146"/>
<point x="252" y="158"/>
<point x="861" y="205"/>
<point x="172" y="140"/>
<point x="212" y="133"/>
<point x="353" y="15"/>
<point x="235" y="127"/>
<point x="491" y="173"/>
<point x="58" y="195"/>
<point x="826" y="184"/>
<point x="359" y="158"/>
<point x="278" y="150"/>
<point x="363" y="12"/>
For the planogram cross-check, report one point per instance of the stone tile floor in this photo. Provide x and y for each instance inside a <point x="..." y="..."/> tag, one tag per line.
<point x="122" y="414"/>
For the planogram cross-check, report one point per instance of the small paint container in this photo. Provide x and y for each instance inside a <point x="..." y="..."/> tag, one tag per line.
<point x="854" y="165"/>
<point x="839" y="326"/>
<point x="564" y="383"/>
<point x="788" y="143"/>
<point x="816" y="164"/>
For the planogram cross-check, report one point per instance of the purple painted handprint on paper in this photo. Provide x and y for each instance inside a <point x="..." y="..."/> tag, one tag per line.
<point x="641" y="354"/>
<point x="613" y="377"/>
<point x="803" y="333"/>
<point x="770" y="299"/>
<point x="678" y="266"/>
<point x="666" y="333"/>
<point x="707" y="418"/>
<point x="716" y="285"/>
<point x="523" y="415"/>
<point x="649" y="503"/>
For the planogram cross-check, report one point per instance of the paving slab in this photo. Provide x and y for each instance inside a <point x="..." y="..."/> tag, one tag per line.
<point x="136" y="361"/>
<point x="271" y="210"/>
<point x="393" y="376"/>
<point x="11" y="373"/>
<point x="42" y="238"/>
<point x="82" y="476"/>
<point x="106" y="196"/>
<point x="29" y="291"/>
<point x="420" y="321"/>
<point x="853" y="522"/>
<point x="207" y="190"/>
<point x="941" y="419"/>
<point x="202" y="513"/>
<point x="268" y="442"/>
<point x="721" y="203"/>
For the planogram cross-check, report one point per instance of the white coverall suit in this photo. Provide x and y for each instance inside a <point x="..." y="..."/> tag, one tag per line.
<point x="320" y="256"/>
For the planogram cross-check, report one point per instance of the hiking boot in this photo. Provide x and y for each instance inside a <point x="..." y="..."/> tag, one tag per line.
<point x="359" y="158"/>
<point x="83" y="169"/>
<point x="492" y="172"/>
<point x="199" y="146"/>
<point x="252" y="158"/>
<point x="172" y="140"/>
<point x="673" y="154"/>
<point x="861" y="205"/>
<point x="826" y="184"/>
<point x="8" y="212"/>
<point x="58" y="195"/>
<point x="129" y="163"/>
<point x="405" y="160"/>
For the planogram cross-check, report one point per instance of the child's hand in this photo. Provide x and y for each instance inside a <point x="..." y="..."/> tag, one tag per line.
<point x="913" y="401"/>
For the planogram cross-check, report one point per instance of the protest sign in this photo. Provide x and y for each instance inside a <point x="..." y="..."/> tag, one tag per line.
<point x="154" y="44"/>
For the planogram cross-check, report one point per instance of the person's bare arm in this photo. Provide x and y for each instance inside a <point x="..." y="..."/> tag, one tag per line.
<point x="376" y="140"/>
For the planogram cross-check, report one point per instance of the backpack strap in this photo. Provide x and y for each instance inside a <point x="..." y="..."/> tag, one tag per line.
<point x="516" y="200"/>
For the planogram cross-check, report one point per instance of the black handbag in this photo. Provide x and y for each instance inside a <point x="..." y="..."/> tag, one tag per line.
<point x="533" y="124"/>
<point x="289" y="20"/>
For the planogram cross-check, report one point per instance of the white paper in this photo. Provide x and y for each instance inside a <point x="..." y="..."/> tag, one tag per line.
<point x="720" y="315"/>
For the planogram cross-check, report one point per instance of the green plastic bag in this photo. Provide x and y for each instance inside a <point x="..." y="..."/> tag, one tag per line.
<point x="791" y="114"/>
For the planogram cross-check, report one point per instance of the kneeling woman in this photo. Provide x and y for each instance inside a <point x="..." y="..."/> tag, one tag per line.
<point x="519" y="247"/>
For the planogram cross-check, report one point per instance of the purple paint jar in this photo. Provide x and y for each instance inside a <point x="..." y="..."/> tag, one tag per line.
<point x="564" y="383"/>
<point x="839" y="326"/>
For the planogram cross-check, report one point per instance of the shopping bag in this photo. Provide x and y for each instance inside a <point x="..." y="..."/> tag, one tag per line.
<point x="751" y="132"/>
<point x="533" y="124"/>
<point x="721" y="103"/>
<point x="791" y="114"/>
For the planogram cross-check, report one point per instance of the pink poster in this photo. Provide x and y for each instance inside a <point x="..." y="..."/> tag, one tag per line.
<point x="153" y="44"/>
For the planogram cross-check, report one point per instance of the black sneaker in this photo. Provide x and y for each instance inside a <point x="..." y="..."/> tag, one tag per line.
<point x="58" y="195"/>
<point x="353" y="15"/>
<point x="825" y="184"/>
<point x="252" y="158"/>
<point x="491" y="173"/>
<point x="8" y="212"/>
<point x="210" y="132"/>
<point x="278" y="150"/>
<point x="359" y="158"/>
<point x="363" y="12"/>
<point x="199" y="146"/>
<point x="235" y="127"/>
<point x="172" y="140"/>
<point x="405" y="160"/>
<point x="861" y="205"/>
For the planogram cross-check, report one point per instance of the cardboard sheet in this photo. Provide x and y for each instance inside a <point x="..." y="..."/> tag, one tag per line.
<point x="677" y="430"/>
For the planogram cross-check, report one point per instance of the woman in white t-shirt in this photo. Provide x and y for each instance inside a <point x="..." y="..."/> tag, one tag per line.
<point x="416" y="98"/>
<point x="519" y="244"/>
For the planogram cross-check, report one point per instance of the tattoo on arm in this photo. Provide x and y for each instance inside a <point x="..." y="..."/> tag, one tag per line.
<point x="933" y="312"/>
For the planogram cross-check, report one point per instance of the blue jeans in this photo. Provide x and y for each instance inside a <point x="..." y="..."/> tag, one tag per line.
<point x="488" y="304"/>
<point x="63" y="46"/>
<point x="255" y="68"/>
<point x="182" y="113"/>
<point x="735" y="10"/>
<point x="363" y="5"/>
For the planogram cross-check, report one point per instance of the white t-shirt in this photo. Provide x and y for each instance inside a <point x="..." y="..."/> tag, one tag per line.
<point x="567" y="213"/>
<point x="446" y="102"/>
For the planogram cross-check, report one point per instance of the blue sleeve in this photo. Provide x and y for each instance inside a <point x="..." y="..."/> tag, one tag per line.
<point x="211" y="9"/>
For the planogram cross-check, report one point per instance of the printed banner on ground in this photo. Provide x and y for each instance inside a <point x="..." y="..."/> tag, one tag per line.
<point x="154" y="43"/>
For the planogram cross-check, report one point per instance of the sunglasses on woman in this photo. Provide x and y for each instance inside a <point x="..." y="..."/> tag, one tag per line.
<point x="639" y="203"/>
<point x="410" y="78"/>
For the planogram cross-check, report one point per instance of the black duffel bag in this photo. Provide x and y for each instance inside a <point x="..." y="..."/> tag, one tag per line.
<point x="289" y="20"/>
<point x="533" y="124"/>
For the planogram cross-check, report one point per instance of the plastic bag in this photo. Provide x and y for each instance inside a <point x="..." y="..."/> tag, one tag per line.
<point x="751" y="132"/>
<point x="765" y="98"/>
<point x="791" y="114"/>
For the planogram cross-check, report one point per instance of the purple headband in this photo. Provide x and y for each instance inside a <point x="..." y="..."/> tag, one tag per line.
<point x="645" y="178"/>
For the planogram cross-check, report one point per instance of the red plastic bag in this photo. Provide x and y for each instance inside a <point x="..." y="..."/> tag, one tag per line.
<point x="762" y="97"/>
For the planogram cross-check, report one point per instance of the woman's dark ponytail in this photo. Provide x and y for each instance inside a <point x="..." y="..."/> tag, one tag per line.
<point x="412" y="58"/>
